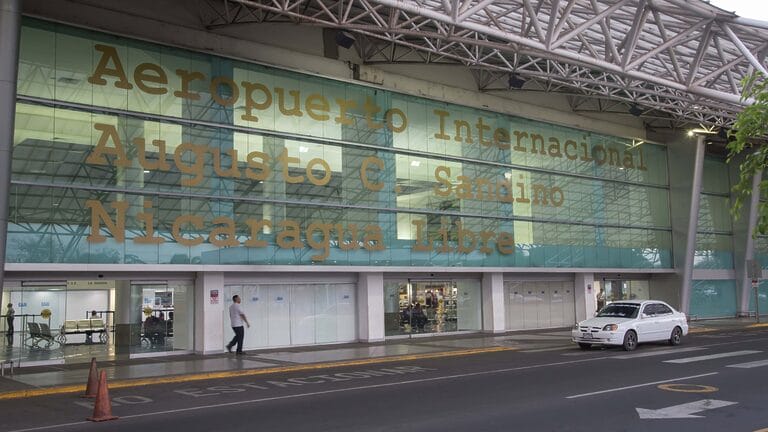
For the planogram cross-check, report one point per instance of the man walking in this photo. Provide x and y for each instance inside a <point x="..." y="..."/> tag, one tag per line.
<point x="236" y="318"/>
<point x="10" y="314"/>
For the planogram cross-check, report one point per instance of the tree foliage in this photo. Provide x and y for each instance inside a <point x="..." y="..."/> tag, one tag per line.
<point x="748" y="137"/>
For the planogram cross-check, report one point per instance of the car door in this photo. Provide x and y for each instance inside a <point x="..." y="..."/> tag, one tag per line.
<point x="646" y="330"/>
<point x="666" y="321"/>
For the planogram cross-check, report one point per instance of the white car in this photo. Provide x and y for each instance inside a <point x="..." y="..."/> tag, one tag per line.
<point x="629" y="322"/>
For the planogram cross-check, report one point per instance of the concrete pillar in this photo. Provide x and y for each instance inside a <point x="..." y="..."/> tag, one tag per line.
<point x="693" y="221"/>
<point x="128" y="317"/>
<point x="494" y="308"/>
<point x="209" y="313"/>
<point x="370" y="307"/>
<point x="584" y="290"/>
<point x="10" y="29"/>
<point x="745" y="282"/>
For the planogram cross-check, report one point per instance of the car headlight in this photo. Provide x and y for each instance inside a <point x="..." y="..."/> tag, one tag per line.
<point x="611" y="327"/>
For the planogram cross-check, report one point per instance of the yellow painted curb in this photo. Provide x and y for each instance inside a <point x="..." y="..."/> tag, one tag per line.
<point x="757" y="325"/>
<point x="241" y="373"/>
<point x="700" y="330"/>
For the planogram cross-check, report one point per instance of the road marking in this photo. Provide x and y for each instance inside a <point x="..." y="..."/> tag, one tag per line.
<point x="712" y="356"/>
<point x="688" y="388"/>
<point x="639" y="385"/>
<point x="656" y="353"/>
<point x="685" y="410"/>
<point x="19" y="394"/>
<point x="302" y="395"/>
<point x="749" y="365"/>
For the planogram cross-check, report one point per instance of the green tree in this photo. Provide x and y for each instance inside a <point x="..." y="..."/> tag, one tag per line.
<point x="748" y="137"/>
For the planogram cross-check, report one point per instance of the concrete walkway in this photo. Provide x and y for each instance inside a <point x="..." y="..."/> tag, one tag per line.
<point x="71" y="378"/>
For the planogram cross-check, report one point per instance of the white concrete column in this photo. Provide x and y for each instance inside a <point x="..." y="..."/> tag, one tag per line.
<point x="584" y="289"/>
<point x="749" y="246"/>
<point x="128" y="317"/>
<point x="693" y="222"/>
<point x="209" y="313"/>
<point x="10" y="30"/>
<point x="370" y="307"/>
<point x="494" y="309"/>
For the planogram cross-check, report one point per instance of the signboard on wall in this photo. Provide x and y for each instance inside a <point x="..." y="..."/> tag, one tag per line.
<point x="215" y="296"/>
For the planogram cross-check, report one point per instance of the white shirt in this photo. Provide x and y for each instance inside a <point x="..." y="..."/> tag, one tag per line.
<point x="234" y="315"/>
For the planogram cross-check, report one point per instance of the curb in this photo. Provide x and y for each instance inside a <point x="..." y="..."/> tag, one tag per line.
<point x="19" y="394"/>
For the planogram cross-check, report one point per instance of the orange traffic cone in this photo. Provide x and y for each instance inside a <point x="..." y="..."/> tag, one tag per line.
<point x="102" y="409"/>
<point x="93" y="381"/>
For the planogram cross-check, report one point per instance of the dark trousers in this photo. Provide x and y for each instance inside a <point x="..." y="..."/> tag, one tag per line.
<point x="238" y="339"/>
<point x="9" y="333"/>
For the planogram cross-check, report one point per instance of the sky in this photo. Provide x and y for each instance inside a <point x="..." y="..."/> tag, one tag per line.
<point x="755" y="9"/>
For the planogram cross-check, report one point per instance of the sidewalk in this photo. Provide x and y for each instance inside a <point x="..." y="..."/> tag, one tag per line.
<point x="71" y="378"/>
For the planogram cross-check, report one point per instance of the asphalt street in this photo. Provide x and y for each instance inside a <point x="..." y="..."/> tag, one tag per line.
<point x="712" y="382"/>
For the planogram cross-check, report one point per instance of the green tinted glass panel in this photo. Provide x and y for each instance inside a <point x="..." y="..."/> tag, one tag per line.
<point x="713" y="298"/>
<point x="715" y="179"/>
<point x="713" y="251"/>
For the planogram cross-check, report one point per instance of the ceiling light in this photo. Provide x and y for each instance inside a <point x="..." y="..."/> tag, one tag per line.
<point x="303" y="149"/>
<point x="415" y="163"/>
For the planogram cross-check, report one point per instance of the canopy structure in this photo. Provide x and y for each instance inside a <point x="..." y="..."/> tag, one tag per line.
<point x="673" y="62"/>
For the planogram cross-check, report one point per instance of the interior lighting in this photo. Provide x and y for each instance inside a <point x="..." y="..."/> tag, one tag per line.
<point x="415" y="163"/>
<point x="303" y="149"/>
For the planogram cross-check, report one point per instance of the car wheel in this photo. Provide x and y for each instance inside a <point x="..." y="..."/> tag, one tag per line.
<point x="585" y="346"/>
<point x="630" y="341"/>
<point x="676" y="337"/>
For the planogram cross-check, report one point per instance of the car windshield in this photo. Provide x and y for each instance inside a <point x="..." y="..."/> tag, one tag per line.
<point x="621" y="310"/>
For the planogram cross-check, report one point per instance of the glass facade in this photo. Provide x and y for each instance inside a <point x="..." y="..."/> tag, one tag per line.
<point x="713" y="299"/>
<point x="129" y="152"/>
<point x="714" y="237"/>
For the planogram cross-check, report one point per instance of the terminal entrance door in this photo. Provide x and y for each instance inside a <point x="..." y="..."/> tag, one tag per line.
<point x="431" y="306"/>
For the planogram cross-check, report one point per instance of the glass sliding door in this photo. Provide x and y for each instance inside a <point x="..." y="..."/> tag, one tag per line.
<point x="167" y="311"/>
<point x="432" y="306"/>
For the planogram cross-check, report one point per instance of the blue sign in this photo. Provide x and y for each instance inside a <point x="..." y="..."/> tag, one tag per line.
<point x="45" y="304"/>
<point x="254" y="299"/>
<point x="22" y="304"/>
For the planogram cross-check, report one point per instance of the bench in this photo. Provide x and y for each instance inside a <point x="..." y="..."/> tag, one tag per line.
<point x="84" y="326"/>
<point x="40" y="336"/>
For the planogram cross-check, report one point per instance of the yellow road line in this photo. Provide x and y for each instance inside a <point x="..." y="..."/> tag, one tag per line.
<point x="246" y="372"/>
<point x="700" y="330"/>
<point x="757" y="325"/>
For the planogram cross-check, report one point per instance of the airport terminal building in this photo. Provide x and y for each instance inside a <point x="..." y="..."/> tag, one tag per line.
<point x="161" y="166"/>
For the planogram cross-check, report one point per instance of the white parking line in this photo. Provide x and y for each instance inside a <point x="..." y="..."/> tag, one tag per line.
<point x="639" y="385"/>
<point x="712" y="356"/>
<point x="657" y="353"/>
<point x="749" y="365"/>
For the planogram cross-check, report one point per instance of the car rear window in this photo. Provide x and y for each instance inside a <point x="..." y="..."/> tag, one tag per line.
<point x="621" y="310"/>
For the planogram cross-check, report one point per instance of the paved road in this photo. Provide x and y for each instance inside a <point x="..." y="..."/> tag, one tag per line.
<point x="713" y="382"/>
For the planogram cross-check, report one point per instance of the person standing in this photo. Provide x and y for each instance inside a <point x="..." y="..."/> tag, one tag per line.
<point x="10" y="315"/>
<point x="236" y="319"/>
